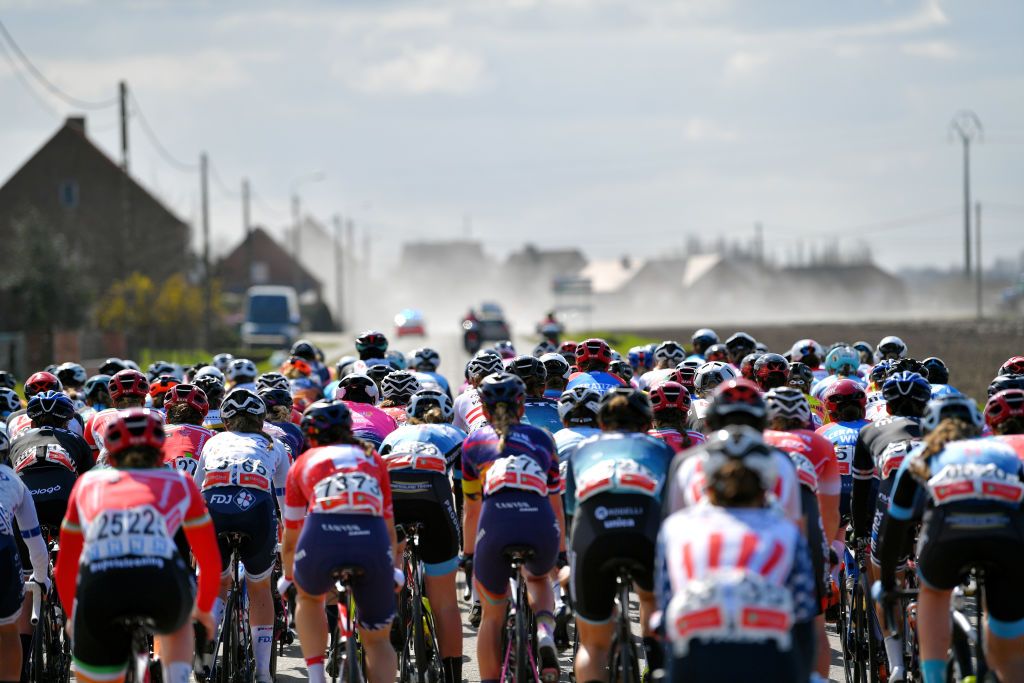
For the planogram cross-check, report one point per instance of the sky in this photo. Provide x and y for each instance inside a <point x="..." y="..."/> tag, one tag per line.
<point x="616" y="126"/>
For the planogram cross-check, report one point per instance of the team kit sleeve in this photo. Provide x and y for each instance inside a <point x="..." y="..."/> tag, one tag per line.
<point x="281" y="473"/>
<point x="71" y="542"/>
<point x="471" y="485"/>
<point x="385" y="486"/>
<point x="203" y="540"/>
<point x="31" y="534"/>
<point x="295" y="500"/>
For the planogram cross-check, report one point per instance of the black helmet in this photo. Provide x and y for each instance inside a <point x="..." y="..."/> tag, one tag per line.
<point x="112" y="366"/>
<point x="801" y="376"/>
<point x="358" y="388"/>
<point x="502" y="387"/>
<point x="555" y="365"/>
<point x="1004" y="382"/>
<point x="274" y="397"/>
<point x="212" y="386"/>
<point x="907" y="364"/>
<point x="272" y="380"/>
<point x="638" y="401"/>
<point x="324" y="421"/>
<point x="702" y="339"/>
<point x="7" y="380"/>
<point x="938" y="373"/>
<point x="96" y="386"/>
<point x="378" y="371"/>
<point x="371" y="340"/>
<point x="528" y="369"/>
<point x="739" y="345"/>
<point x="399" y="386"/>
<point x="242" y="401"/>
<point x="484" y="364"/>
<point x="621" y="369"/>
<point x="304" y="349"/>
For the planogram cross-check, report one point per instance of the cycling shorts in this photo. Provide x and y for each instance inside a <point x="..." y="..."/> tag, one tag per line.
<point x="152" y="587"/>
<point x="249" y="512"/>
<point x="878" y="523"/>
<point x="12" y="584"/>
<point x="725" y="662"/>
<point x="51" y="490"/>
<point x="329" y="541"/>
<point x="609" y="530"/>
<point x="509" y="518"/>
<point x="815" y="544"/>
<point x="426" y="497"/>
<point x="953" y="539"/>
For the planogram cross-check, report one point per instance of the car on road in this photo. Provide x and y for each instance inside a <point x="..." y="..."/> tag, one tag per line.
<point x="271" y="316"/>
<point x="409" y="323"/>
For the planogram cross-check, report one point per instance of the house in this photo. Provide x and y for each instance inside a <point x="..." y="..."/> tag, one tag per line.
<point x="260" y="260"/>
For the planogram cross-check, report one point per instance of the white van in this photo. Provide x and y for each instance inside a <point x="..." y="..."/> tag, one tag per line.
<point x="271" y="316"/>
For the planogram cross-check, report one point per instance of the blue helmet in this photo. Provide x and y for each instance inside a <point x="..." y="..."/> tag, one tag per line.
<point x="840" y="358"/>
<point x="502" y="387"/>
<point x="908" y="386"/>
<point x="54" y="404"/>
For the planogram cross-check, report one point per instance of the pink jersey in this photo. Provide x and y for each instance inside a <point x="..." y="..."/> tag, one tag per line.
<point x="674" y="439"/>
<point x="338" y="479"/>
<point x="367" y="419"/>
<point x="184" y="446"/>
<point x="96" y="429"/>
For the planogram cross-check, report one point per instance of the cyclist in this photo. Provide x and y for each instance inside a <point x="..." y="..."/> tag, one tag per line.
<point x="469" y="411"/>
<point x="686" y="374"/>
<point x="128" y="389"/>
<point x="578" y="410"/>
<point x="279" y="412"/>
<point x="506" y="349"/>
<point x="425" y="361"/>
<point x="158" y="389"/>
<point x="867" y="356"/>
<point x="771" y="371"/>
<point x="890" y="348"/>
<point x="716" y="352"/>
<point x="222" y="361"/>
<point x="638" y="359"/>
<point x="1004" y="414"/>
<point x="732" y="557"/>
<point x="186" y="407"/>
<point x="117" y="558"/>
<point x="709" y="376"/>
<point x="614" y="484"/>
<point x="747" y="365"/>
<point x="592" y="359"/>
<point x="241" y="374"/>
<point x="845" y="402"/>
<point x="96" y="395"/>
<point x="213" y="387"/>
<point x="810" y="353"/>
<point x="624" y="371"/>
<point x="10" y="402"/>
<point x="841" y="363"/>
<point x="971" y="491"/>
<point x="667" y="355"/>
<point x="540" y="411"/>
<point x="73" y="377"/>
<point x="371" y="345"/>
<point x="19" y="421"/>
<point x="241" y="471"/>
<point x="512" y="486"/>
<point x="671" y="404"/>
<point x="308" y="352"/>
<point x="738" y="346"/>
<point x="397" y="388"/>
<point x="938" y="377"/>
<point x="556" y="372"/>
<point x="369" y="422"/>
<point x="327" y="526"/>
<point x="881" y="448"/>
<point x="568" y="351"/>
<point x="802" y="377"/>
<point x="701" y="341"/>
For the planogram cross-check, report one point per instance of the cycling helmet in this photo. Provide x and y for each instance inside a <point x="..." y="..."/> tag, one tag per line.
<point x="210" y="370"/>
<point x="950" y="406"/>
<point x="702" y="339"/>
<point x="742" y="443"/>
<point x="739" y="345"/>
<point x="7" y="380"/>
<point x="50" y="403"/>
<point x="788" y="403"/>
<point x="425" y="399"/>
<point x="112" y="366"/>
<point x="908" y="365"/>
<point x="908" y="386"/>
<point x="747" y="365"/>
<point x="212" y="386"/>
<point x="736" y="398"/>
<point x="668" y="395"/>
<point x="72" y="375"/>
<point x="128" y="383"/>
<point x="528" y="368"/>
<point x="242" y="370"/>
<point x="584" y="396"/>
<point x="866" y="351"/>
<point x="842" y="360"/>
<point x="502" y="387"/>
<point x="1013" y="366"/>
<point x="671" y="352"/>
<point x="324" y="421"/>
<point x="800" y="376"/>
<point x="242" y="401"/>
<point x="762" y="347"/>
<point x="938" y="373"/>
<point x="710" y="375"/>
<point x="1004" y="382"/>
<point x="483" y="365"/>
<point x="505" y="349"/>
<point x="222" y="361"/>
<point x="162" y="384"/>
<point x="344" y="366"/>
<point x="274" y="398"/>
<point x="158" y="369"/>
<point x="771" y="370"/>
<point x="426" y="360"/>
<point x="880" y="371"/>
<point x="621" y="369"/>
<point x="686" y="373"/>
<point x="593" y="351"/>
<point x="190" y="395"/>
<point x="841" y="393"/>
<point x="371" y="340"/>
<point x="638" y="401"/>
<point x="1004" y="406"/>
<point x="891" y="348"/>
<point x="638" y="359"/>
<point x="272" y="380"/>
<point x="303" y="349"/>
<point x="397" y="359"/>
<point x="717" y="352"/>
<point x="544" y="348"/>
<point x="5" y="446"/>
<point x="568" y="351"/>
<point x="96" y="386"/>
<point x="555" y="365"/>
<point x="399" y="386"/>
<point x="357" y="388"/>
<point x="807" y="351"/>
<point x="379" y="371"/>
<point x="134" y="428"/>
<point x="9" y="402"/>
<point x="42" y="381"/>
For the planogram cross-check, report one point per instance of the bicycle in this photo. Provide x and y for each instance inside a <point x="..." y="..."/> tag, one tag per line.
<point x="344" y="660"/>
<point x="866" y="645"/>
<point x="623" y="660"/>
<point x="141" y="666"/>
<point x="49" y="657"/>
<point x="420" y="658"/>
<point x="967" y="654"/>
<point x="519" y="664"/>
<point x="233" y="655"/>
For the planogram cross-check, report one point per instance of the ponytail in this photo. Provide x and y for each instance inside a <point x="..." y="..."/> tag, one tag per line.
<point x="502" y="417"/>
<point x="950" y="429"/>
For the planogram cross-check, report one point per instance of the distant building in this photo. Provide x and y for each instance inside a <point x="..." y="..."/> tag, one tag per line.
<point x="260" y="260"/>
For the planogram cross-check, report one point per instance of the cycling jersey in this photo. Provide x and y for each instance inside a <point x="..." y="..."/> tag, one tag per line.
<point x="819" y="373"/>
<point x="16" y="505"/>
<point x="447" y="438"/>
<point x="616" y="462"/>
<point x="398" y="414"/>
<point x="653" y="377"/>
<point x="292" y="437"/>
<point x="600" y="380"/>
<point x="878" y="453"/>
<point x="338" y="479"/>
<point x="96" y="429"/>
<point x="184" y="446"/>
<point x="469" y="411"/>
<point x="674" y="439"/>
<point x="19" y="422"/>
<point x="939" y="390"/>
<point x="1015" y="441"/>
<point x="433" y="380"/>
<point x="49" y="461"/>
<point x="876" y="407"/>
<point x="817" y="450"/>
<point x="370" y="422"/>
<point x="818" y="414"/>
<point x="543" y="413"/>
<point x="695" y="418"/>
<point x="568" y="438"/>
<point x="528" y="463"/>
<point x="213" y="421"/>
<point x="251" y="461"/>
<point x="843" y="437"/>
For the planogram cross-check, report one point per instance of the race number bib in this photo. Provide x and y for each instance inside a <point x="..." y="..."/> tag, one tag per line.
<point x="414" y="455"/>
<point x="349" y="491"/>
<point x="619" y="476"/>
<point x="516" y="472"/>
<point x="48" y="453"/>
<point x="138" y="532"/>
<point x="892" y="457"/>
<point x="187" y="464"/>
<point x="805" y="471"/>
<point x="844" y="456"/>
<point x="248" y="473"/>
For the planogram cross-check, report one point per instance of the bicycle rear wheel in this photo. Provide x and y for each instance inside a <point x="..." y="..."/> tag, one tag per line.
<point x="523" y="670"/>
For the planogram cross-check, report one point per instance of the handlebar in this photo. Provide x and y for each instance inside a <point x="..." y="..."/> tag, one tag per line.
<point x="37" y="599"/>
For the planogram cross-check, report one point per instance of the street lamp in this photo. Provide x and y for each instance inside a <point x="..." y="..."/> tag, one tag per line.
<point x="314" y="177"/>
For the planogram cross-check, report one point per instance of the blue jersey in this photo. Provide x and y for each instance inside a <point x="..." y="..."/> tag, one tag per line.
<point x="295" y="440"/>
<point x="819" y="387"/>
<point x="446" y="438"/>
<point x="626" y="463"/>
<point x="430" y="380"/>
<point x="543" y="413"/>
<point x="599" y="379"/>
<point x="843" y="437"/>
<point x="567" y="439"/>
<point x="527" y="463"/>
<point x="944" y="390"/>
<point x="553" y="394"/>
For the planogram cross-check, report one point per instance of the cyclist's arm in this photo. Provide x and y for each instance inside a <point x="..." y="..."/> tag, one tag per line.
<point x="389" y="510"/>
<point x="893" y="533"/>
<point x="203" y="540"/>
<point x="802" y="584"/>
<point x="71" y="541"/>
<point x="31" y="534"/>
<point x="294" y="517"/>
<point x="860" y="497"/>
<point x="281" y="474"/>
<point x="471" y="491"/>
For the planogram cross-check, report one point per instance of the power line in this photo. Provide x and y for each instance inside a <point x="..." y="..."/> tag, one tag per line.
<point x="264" y="206"/>
<point x="221" y="185"/>
<point x="47" y="83"/>
<point x="155" y="141"/>
<point x="24" y="81"/>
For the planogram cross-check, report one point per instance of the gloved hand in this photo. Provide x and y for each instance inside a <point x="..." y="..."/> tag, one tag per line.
<point x="283" y="584"/>
<point x="43" y="581"/>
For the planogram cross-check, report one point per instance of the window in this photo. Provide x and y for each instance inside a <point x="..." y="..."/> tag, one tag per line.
<point x="259" y="272"/>
<point x="67" y="194"/>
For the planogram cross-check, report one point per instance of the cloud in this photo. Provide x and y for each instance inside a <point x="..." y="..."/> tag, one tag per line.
<point x="935" y="49"/>
<point x="744" y="62"/>
<point x="706" y="130"/>
<point x="439" y="69"/>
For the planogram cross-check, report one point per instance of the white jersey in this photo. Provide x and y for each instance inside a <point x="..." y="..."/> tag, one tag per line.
<point x="16" y="504"/>
<point x="652" y="377"/>
<point x="241" y="459"/>
<point x="469" y="411"/>
<point x="686" y="489"/>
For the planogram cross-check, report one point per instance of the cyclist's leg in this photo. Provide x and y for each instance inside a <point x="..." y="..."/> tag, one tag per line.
<point x="1004" y="600"/>
<point x="311" y="624"/>
<point x="592" y="588"/>
<point x="11" y="609"/>
<point x="381" y="660"/>
<point x="893" y="640"/>
<point x="171" y="613"/>
<point x="374" y="593"/>
<point x="10" y="652"/>
<point x="490" y="579"/>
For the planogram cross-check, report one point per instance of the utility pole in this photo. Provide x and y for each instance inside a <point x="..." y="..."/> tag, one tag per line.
<point x="348" y="274"/>
<point x="122" y="92"/>
<point x="339" y="273"/>
<point x="977" y="256"/>
<point x="296" y="239"/>
<point x="247" y="227"/>
<point x="967" y="126"/>
<point x="204" y="193"/>
<point x="759" y="242"/>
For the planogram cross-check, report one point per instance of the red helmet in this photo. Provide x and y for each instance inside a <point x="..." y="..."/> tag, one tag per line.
<point x="735" y="396"/>
<point x="190" y="395"/>
<point x="128" y="383"/>
<point x="40" y="382"/>
<point x="1003" y="406"/>
<point x="842" y="392"/>
<point x="1012" y="366"/>
<point x="134" y="428"/>
<point x="162" y="384"/>
<point x="668" y="395"/>
<point x="593" y="350"/>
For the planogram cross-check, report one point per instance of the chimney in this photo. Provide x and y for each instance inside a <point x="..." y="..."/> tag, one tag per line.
<point x="76" y="123"/>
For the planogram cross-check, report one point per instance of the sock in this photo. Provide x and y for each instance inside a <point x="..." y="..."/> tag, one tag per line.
<point x="894" y="651"/>
<point x="262" y="641"/>
<point x="452" y="669"/>
<point x="315" y="669"/>
<point x="177" y="672"/>
<point x="933" y="670"/>
<point x="557" y="588"/>
<point x="653" y="651"/>
<point x="545" y="624"/>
